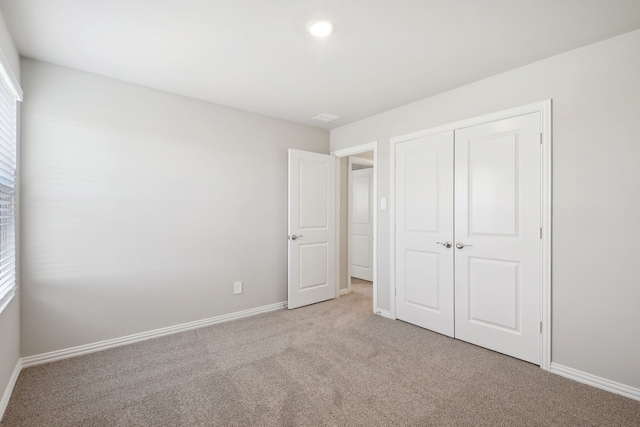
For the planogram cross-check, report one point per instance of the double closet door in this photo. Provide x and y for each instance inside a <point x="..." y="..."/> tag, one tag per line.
<point x="468" y="240"/>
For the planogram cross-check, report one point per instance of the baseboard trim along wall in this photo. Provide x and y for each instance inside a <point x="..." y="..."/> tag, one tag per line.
<point x="574" y="374"/>
<point x="9" y="389"/>
<point x="595" y="381"/>
<point x="344" y="291"/>
<point x="53" y="356"/>
<point x="384" y="313"/>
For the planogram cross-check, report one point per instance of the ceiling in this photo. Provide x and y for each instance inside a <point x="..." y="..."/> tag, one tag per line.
<point x="256" y="55"/>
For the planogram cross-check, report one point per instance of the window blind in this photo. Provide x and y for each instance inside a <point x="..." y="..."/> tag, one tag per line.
<point x="8" y="146"/>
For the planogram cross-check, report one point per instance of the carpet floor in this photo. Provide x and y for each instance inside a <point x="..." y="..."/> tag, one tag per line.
<point x="333" y="363"/>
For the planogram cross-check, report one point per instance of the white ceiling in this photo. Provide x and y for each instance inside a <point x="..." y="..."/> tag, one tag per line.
<point x="256" y="55"/>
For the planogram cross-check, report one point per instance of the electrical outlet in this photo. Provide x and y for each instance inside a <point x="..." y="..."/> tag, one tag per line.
<point x="237" y="287"/>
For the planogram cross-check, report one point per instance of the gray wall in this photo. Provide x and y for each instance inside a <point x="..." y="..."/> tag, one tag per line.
<point x="140" y="208"/>
<point x="596" y="147"/>
<point x="10" y="317"/>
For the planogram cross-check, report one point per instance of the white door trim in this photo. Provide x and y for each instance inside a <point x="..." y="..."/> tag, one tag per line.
<point x="353" y="161"/>
<point x="371" y="146"/>
<point x="544" y="108"/>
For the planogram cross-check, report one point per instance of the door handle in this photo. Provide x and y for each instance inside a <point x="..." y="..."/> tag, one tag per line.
<point x="461" y="245"/>
<point x="446" y="244"/>
<point x="294" y="237"/>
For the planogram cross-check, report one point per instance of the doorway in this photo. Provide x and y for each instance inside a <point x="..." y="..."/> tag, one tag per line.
<point x="356" y="218"/>
<point x="359" y="218"/>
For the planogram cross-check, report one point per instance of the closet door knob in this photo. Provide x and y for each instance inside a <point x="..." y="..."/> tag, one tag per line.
<point x="461" y="245"/>
<point x="294" y="237"/>
<point x="447" y="245"/>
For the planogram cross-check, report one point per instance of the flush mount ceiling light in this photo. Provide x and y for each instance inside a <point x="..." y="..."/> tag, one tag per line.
<point x="320" y="27"/>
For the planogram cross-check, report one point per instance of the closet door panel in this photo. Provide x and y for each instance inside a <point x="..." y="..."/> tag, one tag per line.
<point x="497" y="236"/>
<point x="424" y="216"/>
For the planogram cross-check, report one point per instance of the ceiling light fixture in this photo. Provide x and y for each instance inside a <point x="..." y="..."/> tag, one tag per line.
<point x="326" y="117"/>
<point x="320" y="27"/>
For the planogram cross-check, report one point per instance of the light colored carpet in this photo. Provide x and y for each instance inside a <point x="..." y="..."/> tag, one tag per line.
<point x="362" y="287"/>
<point x="333" y="363"/>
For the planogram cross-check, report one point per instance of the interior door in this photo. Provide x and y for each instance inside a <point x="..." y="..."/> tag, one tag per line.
<point x="497" y="236"/>
<point x="424" y="229"/>
<point x="311" y="228"/>
<point x="361" y="224"/>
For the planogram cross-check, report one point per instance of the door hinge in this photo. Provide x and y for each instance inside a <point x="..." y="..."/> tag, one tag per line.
<point x="540" y="138"/>
<point x="540" y="233"/>
<point x="395" y="291"/>
<point x="540" y="327"/>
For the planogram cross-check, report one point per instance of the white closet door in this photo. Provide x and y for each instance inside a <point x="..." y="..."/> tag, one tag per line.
<point x="498" y="211"/>
<point x="362" y="224"/>
<point x="424" y="217"/>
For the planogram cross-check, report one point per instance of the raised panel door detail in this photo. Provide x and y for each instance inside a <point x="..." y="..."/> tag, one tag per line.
<point x="424" y="216"/>
<point x="497" y="219"/>
<point x="421" y="180"/>
<point x="361" y="253"/>
<point x="421" y="278"/>
<point x="311" y="219"/>
<point x="494" y="295"/>
<point x="361" y="223"/>
<point x="314" y="262"/>
<point x="361" y="201"/>
<point x="493" y="185"/>
<point x="313" y="195"/>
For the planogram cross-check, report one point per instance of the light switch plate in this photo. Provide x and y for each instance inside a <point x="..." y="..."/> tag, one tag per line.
<point x="237" y="287"/>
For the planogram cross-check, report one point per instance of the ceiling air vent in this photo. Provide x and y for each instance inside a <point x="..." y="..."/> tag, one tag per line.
<point x="326" y="117"/>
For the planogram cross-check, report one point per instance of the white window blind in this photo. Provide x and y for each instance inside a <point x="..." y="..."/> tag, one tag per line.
<point x="8" y="146"/>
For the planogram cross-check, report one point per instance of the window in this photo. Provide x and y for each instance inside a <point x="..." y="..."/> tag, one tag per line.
<point x="10" y="94"/>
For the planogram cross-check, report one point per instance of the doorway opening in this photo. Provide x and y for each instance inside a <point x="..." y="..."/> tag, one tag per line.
<point x="357" y="224"/>
<point x="356" y="220"/>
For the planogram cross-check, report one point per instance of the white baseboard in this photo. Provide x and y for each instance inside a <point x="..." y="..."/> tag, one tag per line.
<point x="595" y="381"/>
<point x="4" y="401"/>
<point x="53" y="356"/>
<point x="344" y="291"/>
<point x="384" y="313"/>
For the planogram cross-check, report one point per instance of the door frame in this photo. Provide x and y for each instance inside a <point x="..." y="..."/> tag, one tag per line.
<point x="542" y="107"/>
<point x="354" y="161"/>
<point x="358" y="149"/>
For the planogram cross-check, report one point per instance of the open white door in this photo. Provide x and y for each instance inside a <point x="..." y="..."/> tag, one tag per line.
<point x="361" y="224"/>
<point x="498" y="236"/>
<point x="311" y="228"/>
<point x="424" y="229"/>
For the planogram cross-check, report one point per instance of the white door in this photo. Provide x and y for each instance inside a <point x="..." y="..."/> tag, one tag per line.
<point x="497" y="236"/>
<point x="311" y="228"/>
<point x="424" y="230"/>
<point x="361" y="224"/>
